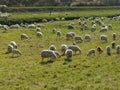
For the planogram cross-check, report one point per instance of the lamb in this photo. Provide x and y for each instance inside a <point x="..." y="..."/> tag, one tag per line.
<point x="59" y="33"/>
<point x="64" y="47"/>
<point x="52" y="47"/>
<point x="69" y="53"/>
<point x="99" y="49"/>
<point x="10" y="48"/>
<point x="39" y="34"/>
<point x="87" y="37"/>
<point x="49" y="54"/>
<point x="75" y="48"/>
<point x="108" y="49"/>
<point x="16" y="51"/>
<point x="113" y="44"/>
<point x="13" y="43"/>
<point x="114" y="36"/>
<point x="78" y="39"/>
<point x="104" y="38"/>
<point x="90" y="52"/>
<point x="118" y="49"/>
<point x="24" y="36"/>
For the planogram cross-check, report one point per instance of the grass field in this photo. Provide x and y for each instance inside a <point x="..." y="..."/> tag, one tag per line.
<point x="26" y="72"/>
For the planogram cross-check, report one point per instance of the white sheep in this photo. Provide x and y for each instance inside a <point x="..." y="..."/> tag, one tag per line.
<point x="15" y="26"/>
<point x="78" y="39"/>
<point x="99" y="49"/>
<point x="38" y="29"/>
<point x="24" y="36"/>
<point x="104" y="38"/>
<point x="49" y="54"/>
<point x="118" y="49"/>
<point x="14" y="44"/>
<point x="10" y="48"/>
<point x="39" y="34"/>
<point x="64" y="47"/>
<point x="90" y="52"/>
<point x="71" y="26"/>
<point x="109" y="26"/>
<point x="16" y="51"/>
<point x="59" y="33"/>
<point x="69" y="53"/>
<point x="87" y="37"/>
<point x="54" y="30"/>
<point x="114" y="35"/>
<point x="108" y="50"/>
<point x="52" y="47"/>
<point x="70" y="35"/>
<point x="103" y="29"/>
<point x="75" y="48"/>
<point x="32" y="26"/>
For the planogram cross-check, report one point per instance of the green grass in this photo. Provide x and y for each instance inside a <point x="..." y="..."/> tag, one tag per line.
<point x="26" y="72"/>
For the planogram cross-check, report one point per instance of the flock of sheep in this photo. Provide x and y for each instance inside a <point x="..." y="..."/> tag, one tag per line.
<point x="66" y="50"/>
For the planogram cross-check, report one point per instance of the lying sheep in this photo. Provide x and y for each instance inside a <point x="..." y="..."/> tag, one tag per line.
<point x="90" y="52"/>
<point x="114" y="36"/>
<point x="118" y="49"/>
<point x="39" y="34"/>
<point x="49" y="54"/>
<point x="69" y="53"/>
<point x="113" y="44"/>
<point x="99" y="49"/>
<point x="78" y="39"/>
<point x="13" y="43"/>
<point x="24" y="36"/>
<point x="52" y="47"/>
<point x="104" y="38"/>
<point x="108" y="50"/>
<point x="64" y="47"/>
<point x="87" y="37"/>
<point x="75" y="48"/>
<point x="16" y="51"/>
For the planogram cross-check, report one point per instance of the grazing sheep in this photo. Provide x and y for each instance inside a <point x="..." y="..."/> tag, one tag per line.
<point x="38" y="29"/>
<point x="64" y="47"/>
<point x="54" y="30"/>
<point x="104" y="38"/>
<point x="75" y="48"/>
<point x="114" y="36"/>
<point x="59" y="33"/>
<point x="70" y="35"/>
<point x="32" y="26"/>
<point x="103" y="29"/>
<point x="78" y="39"/>
<point x="52" y="47"/>
<point x="109" y="26"/>
<point x="90" y="52"/>
<point x="16" y="51"/>
<point x="39" y="34"/>
<point x="24" y="36"/>
<point x="13" y="43"/>
<point x="15" y="26"/>
<point x="69" y="53"/>
<point x="87" y="37"/>
<point x="118" y="49"/>
<point x="108" y="50"/>
<point x="71" y="26"/>
<point x="99" y="49"/>
<point x="49" y="54"/>
<point x="44" y="20"/>
<point x="113" y="44"/>
<point x="10" y="48"/>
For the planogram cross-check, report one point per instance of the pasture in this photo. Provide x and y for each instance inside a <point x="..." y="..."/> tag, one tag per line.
<point x="26" y="72"/>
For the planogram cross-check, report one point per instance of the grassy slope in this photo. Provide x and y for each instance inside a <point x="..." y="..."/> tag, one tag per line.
<point x="99" y="72"/>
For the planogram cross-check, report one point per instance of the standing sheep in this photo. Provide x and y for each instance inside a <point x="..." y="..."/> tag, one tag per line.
<point x="39" y="34"/>
<point x="75" y="48"/>
<point x="70" y="35"/>
<point x="87" y="37"/>
<point x="16" y="51"/>
<point x="52" y="47"/>
<point x="104" y="38"/>
<point x="114" y="36"/>
<point x="64" y="47"/>
<point x="108" y="50"/>
<point x="69" y="53"/>
<point x="13" y="43"/>
<point x="113" y="44"/>
<point x="24" y="36"/>
<point x="90" y="52"/>
<point x="99" y="49"/>
<point x="118" y="49"/>
<point x="59" y="33"/>
<point x="78" y="39"/>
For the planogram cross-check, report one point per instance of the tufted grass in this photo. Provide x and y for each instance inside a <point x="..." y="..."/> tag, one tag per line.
<point x="26" y="72"/>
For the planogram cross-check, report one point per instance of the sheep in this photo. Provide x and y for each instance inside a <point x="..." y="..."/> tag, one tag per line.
<point x="113" y="44"/>
<point x="109" y="26"/>
<point x="108" y="49"/>
<point x="39" y="34"/>
<point x="24" y="36"/>
<point x="118" y="49"/>
<point x="103" y="29"/>
<point x="54" y="30"/>
<point x="90" y="52"/>
<point x="32" y="26"/>
<point x="38" y="29"/>
<point x="69" y="53"/>
<point x="16" y="51"/>
<point x="13" y="43"/>
<point x="104" y="38"/>
<point x="71" y="26"/>
<point x="70" y="35"/>
<point x="15" y="26"/>
<point x="52" y="47"/>
<point x="99" y="49"/>
<point x="75" y="48"/>
<point x="87" y="37"/>
<point x="49" y="54"/>
<point x="64" y="47"/>
<point x="78" y="39"/>
<point x="44" y="20"/>
<point x="59" y="33"/>
<point x="114" y="36"/>
<point x="10" y="48"/>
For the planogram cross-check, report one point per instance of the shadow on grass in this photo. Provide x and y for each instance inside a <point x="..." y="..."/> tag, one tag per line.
<point x="48" y="62"/>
